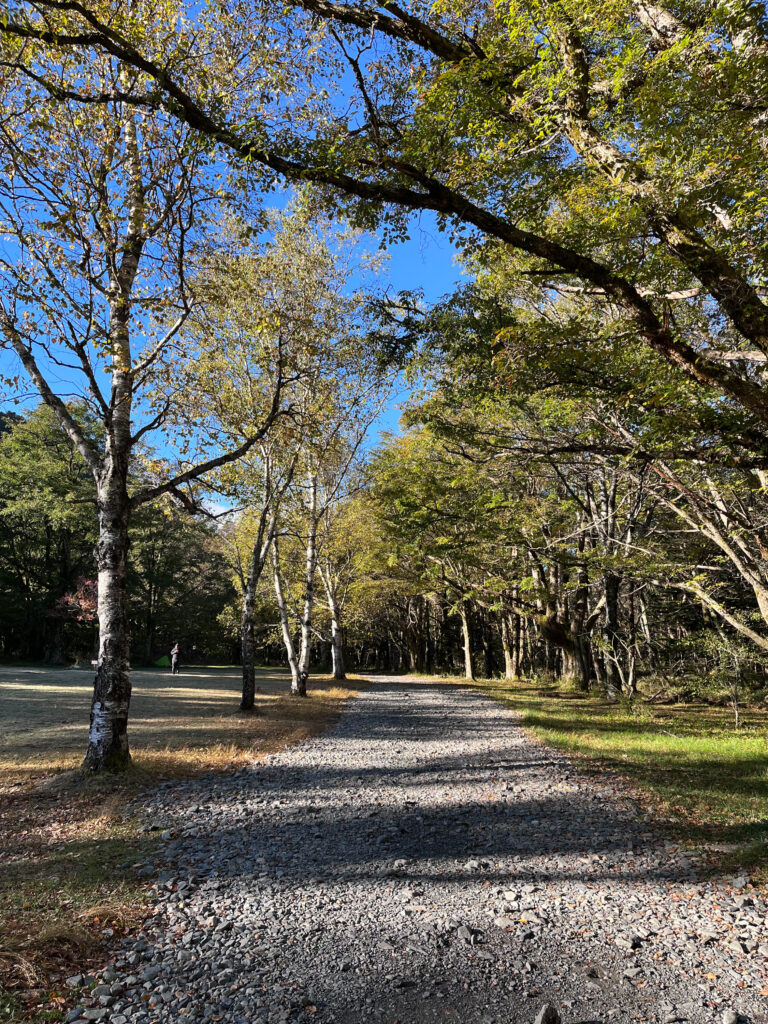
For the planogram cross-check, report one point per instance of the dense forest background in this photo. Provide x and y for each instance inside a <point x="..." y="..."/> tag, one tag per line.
<point x="464" y="547"/>
<point x="178" y="577"/>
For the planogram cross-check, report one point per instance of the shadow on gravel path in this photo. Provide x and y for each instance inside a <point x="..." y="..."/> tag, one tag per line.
<point x="426" y="861"/>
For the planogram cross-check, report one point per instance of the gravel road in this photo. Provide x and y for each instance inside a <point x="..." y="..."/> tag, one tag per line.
<point x="426" y="861"/>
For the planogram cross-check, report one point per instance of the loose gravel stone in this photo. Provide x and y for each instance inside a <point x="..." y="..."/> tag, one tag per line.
<point x="547" y="1015"/>
<point x="425" y="860"/>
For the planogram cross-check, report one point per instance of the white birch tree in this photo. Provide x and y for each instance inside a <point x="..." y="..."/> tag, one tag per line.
<point x="344" y="405"/>
<point x="102" y="217"/>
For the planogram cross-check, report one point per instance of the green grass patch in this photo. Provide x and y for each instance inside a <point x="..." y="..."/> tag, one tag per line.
<point x="696" y="773"/>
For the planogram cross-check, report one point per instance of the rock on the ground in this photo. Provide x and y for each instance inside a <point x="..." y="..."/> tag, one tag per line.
<point x="547" y="1015"/>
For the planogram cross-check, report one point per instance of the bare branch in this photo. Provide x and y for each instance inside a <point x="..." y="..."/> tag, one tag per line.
<point x="195" y="472"/>
<point x="170" y="334"/>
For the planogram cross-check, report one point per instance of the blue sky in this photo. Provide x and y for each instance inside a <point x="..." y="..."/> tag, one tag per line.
<point x="425" y="261"/>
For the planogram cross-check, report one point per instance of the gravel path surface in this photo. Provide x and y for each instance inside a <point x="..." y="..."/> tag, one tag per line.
<point x="427" y="861"/>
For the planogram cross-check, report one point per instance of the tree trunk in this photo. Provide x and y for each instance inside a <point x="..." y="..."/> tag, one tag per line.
<point x="569" y="663"/>
<point x="583" y="663"/>
<point x="149" y="614"/>
<point x="506" y="646"/>
<point x="429" y="642"/>
<point x="582" y="655"/>
<point x="108" y="736"/>
<point x="54" y="653"/>
<point x="259" y="555"/>
<point x="526" y="646"/>
<point x="631" y="682"/>
<point x="517" y="648"/>
<point x="290" y="647"/>
<point x="611" y="584"/>
<point x="309" y="590"/>
<point x="337" y="646"/>
<point x="487" y="651"/>
<point x="551" y="655"/>
<point x="469" y="671"/>
<point x="248" y="647"/>
<point x="149" y="642"/>
<point x="337" y="651"/>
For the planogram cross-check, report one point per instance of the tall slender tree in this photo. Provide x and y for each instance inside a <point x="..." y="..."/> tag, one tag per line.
<point x="102" y="209"/>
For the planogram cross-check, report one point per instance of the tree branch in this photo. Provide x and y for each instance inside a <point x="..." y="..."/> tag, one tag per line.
<point x="735" y="295"/>
<point x="397" y="24"/>
<point x="195" y="472"/>
<point x="65" y="419"/>
<point x="171" y="333"/>
<point x="692" y="587"/>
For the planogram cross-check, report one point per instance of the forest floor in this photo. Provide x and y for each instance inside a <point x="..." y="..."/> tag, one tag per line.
<point x="74" y="858"/>
<point x="692" y="768"/>
<point x="426" y="859"/>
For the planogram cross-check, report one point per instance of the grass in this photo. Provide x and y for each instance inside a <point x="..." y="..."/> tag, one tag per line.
<point x="69" y="885"/>
<point x="692" y="770"/>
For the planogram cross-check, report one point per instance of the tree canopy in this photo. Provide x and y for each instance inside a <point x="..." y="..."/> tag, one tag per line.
<point x="579" y="489"/>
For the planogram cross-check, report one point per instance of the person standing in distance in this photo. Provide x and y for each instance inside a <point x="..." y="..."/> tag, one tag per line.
<point x="175" y="655"/>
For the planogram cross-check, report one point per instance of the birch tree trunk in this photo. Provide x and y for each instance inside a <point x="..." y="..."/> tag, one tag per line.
<point x="337" y="648"/>
<point x="469" y="671"/>
<point x="285" y="625"/>
<point x="108" y="733"/>
<point x="337" y="643"/>
<point x="259" y="556"/>
<point x="309" y="587"/>
<point x="272" y="494"/>
<point x="330" y="584"/>
<point x="248" y="645"/>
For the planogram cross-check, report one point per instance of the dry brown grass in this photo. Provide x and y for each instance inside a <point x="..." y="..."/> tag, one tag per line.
<point x="68" y="885"/>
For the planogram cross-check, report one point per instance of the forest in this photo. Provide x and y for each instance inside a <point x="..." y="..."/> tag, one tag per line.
<point x="381" y="639"/>
<point x="577" y="492"/>
<point x="486" y="540"/>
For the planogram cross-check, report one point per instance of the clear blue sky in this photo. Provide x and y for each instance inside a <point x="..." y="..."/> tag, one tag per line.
<point x="426" y="262"/>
